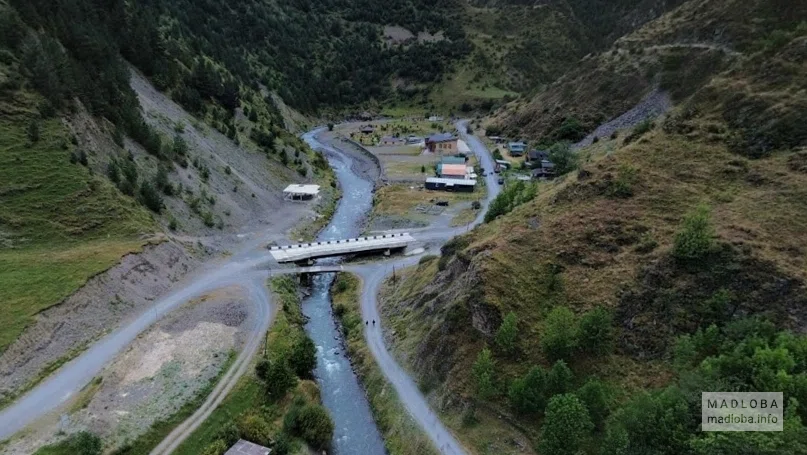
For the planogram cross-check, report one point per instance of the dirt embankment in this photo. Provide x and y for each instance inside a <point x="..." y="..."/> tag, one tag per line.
<point x="104" y="302"/>
<point x="164" y="368"/>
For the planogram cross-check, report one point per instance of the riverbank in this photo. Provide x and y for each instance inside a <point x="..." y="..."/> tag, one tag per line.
<point x="402" y="436"/>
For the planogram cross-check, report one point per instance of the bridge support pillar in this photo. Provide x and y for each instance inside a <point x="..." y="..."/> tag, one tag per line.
<point x="304" y="279"/>
<point x="387" y="252"/>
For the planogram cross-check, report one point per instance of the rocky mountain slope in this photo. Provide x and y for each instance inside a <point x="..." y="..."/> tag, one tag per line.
<point x="666" y="261"/>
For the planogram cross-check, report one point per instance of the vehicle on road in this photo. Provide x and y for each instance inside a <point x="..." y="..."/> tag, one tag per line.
<point x="501" y="181"/>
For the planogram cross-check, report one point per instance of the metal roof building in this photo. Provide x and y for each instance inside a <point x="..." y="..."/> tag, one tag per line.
<point x="243" y="447"/>
<point x="462" y="185"/>
<point x="297" y="192"/>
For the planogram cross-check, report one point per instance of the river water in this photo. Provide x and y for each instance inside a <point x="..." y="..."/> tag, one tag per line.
<point x="355" y="431"/>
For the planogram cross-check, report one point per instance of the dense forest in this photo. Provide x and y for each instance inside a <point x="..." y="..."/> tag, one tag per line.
<point x="315" y="54"/>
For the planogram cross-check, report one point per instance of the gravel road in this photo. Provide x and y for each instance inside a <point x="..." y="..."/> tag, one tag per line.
<point x="244" y="270"/>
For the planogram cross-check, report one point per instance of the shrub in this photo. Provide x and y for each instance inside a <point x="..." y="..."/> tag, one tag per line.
<point x="622" y="186"/>
<point x="559" y="379"/>
<point x="180" y="147"/>
<point x="228" y="433"/>
<point x="161" y="181"/>
<point x="33" y="131"/>
<point x="570" y="130"/>
<point x="254" y="428"/>
<point x="560" y="334"/>
<point x="506" y="334"/>
<point x="528" y="394"/>
<point x="566" y="427"/>
<point x="303" y="358"/>
<point x="695" y="239"/>
<point x="277" y="375"/>
<point x="563" y="157"/>
<point x="216" y="447"/>
<point x="312" y="423"/>
<point x="113" y="172"/>
<point x="150" y="197"/>
<point x="596" y="332"/>
<point x="483" y="372"/>
<point x="594" y="397"/>
<point x="282" y="445"/>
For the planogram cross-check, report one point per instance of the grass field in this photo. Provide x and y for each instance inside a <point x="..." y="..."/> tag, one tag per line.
<point x="401" y="434"/>
<point x="401" y="199"/>
<point x="59" y="223"/>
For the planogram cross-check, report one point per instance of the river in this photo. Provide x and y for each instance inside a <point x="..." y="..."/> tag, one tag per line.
<point x="355" y="431"/>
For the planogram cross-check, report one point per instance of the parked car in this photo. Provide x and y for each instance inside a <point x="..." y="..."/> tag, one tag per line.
<point x="501" y="181"/>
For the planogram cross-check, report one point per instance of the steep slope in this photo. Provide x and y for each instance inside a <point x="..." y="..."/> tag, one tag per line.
<point x="680" y="53"/>
<point x="677" y="251"/>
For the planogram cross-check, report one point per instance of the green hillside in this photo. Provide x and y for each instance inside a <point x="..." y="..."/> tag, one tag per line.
<point x="589" y="318"/>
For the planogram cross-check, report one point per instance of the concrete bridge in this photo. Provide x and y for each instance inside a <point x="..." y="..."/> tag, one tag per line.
<point x="305" y="253"/>
<point x="314" y="270"/>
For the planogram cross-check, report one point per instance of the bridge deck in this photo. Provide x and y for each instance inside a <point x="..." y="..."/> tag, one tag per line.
<point x="313" y="250"/>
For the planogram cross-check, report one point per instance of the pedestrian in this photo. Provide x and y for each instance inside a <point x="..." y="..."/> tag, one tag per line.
<point x="373" y="321"/>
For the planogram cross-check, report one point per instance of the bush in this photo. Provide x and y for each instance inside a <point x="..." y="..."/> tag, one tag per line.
<point x="277" y="375"/>
<point x="560" y="334"/>
<point x="254" y="428"/>
<point x="282" y="445"/>
<point x="528" y="394"/>
<point x="506" y="334"/>
<point x="483" y="372"/>
<point x="594" y="397"/>
<point x="566" y="427"/>
<point x="596" y="332"/>
<point x="303" y="358"/>
<point x="559" y="379"/>
<point x="695" y="239"/>
<point x="217" y="447"/>
<point x="33" y="131"/>
<point x="150" y="197"/>
<point x="312" y="423"/>
<point x="180" y="147"/>
<point x="563" y="157"/>
<point x="622" y="186"/>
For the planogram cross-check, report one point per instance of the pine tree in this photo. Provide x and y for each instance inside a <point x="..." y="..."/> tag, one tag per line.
<point x="483" y="371"/>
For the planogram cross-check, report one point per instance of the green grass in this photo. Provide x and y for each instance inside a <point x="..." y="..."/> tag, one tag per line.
<point x="34" y="279"/>
<point x="59" y="224"/>
<point x="465" y="216"/>
<point x="160" y="429"/>
<point x="401" y="434"/>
